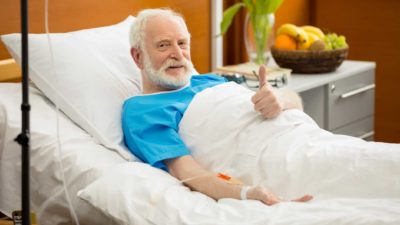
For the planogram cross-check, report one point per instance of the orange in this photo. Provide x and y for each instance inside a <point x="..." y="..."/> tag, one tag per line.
<point x="284" y="41"/>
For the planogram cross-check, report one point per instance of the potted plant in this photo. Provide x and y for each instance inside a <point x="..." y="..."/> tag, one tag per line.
<point x="258" y="26"/>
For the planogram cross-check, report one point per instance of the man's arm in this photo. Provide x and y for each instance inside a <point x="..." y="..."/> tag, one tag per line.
<point x="186" y="169"/>
<point x="290" y="99"/>
<point x="201" y="180"/>
<point x="270" y="102"/>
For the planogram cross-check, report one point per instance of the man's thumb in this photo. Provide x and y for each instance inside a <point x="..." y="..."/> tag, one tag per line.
<point x="262" y="73"/>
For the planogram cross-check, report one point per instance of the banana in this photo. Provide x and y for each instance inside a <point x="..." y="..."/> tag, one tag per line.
<point x="314" y="30"/>
<point x="294" y="31"/>
<point x="311" y="38"/>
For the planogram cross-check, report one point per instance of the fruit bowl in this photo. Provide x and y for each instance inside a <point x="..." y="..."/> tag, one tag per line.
<point x="307" y="61"/>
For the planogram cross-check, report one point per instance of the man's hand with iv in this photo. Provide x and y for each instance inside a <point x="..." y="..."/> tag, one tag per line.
<point x="216" y="186"/>
<point x="269" y="101"/>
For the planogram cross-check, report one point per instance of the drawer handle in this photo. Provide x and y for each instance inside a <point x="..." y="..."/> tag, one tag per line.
<point x="366" y="135"/>
<point x="357" y="91"/>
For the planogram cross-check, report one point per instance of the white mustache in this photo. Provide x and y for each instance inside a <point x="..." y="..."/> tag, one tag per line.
<point x="174" y="63"/>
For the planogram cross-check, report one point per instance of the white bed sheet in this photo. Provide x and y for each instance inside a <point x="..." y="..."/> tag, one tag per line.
<point x="135" y="193"/>
<point x="145" y="195"/>
<point x="84" y="160"/>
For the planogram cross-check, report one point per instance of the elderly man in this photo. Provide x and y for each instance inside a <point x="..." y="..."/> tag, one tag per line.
<point x="161" y="49"/>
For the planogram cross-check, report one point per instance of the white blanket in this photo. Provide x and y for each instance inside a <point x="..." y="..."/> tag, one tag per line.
<point x="353" y="181"/>
<point x="290" y="154"/>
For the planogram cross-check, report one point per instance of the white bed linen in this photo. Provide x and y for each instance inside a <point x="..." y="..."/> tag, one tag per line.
<point x="84" y="160"/>
<point x="353" y="181"/>
<point x="143" y="191"/>
<point x="290" y="154"/>
<point x="145" y="195"/>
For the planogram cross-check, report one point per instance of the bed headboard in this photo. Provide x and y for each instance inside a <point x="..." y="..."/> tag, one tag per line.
<point x="9" y="71"/>
<point x="69" y="15"/>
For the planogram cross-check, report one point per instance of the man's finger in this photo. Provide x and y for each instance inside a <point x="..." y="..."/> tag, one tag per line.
<point x="262" y="73"/>
<point x="305" y="198"/>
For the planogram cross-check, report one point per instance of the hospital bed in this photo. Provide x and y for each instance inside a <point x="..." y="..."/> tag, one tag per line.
<point x="90" y="76"/>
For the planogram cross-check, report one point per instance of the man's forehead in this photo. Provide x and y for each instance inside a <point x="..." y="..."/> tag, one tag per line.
<point x="161" y="38"/>
<point x="166" y="27"/>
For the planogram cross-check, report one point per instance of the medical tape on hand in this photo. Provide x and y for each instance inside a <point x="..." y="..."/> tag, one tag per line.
<point x="244" y="191"/>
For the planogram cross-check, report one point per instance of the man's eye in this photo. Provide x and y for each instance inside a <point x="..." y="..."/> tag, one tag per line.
<point x="183" y="44"/>
<point x="163" y="45"/>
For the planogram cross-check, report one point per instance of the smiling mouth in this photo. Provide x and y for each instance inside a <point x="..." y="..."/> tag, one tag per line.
<point x="176" y="67"/>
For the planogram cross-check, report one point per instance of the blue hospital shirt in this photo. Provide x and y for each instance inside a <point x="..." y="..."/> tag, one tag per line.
<point x="150" y="122"/>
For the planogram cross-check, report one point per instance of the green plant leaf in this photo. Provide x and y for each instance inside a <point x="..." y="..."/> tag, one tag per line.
<point x="228" y="17"/>
<point x="259" y="6"/>
<point x="249" y="5"/>
<point x="264" y="6"/>
<point x="273" y="5"/>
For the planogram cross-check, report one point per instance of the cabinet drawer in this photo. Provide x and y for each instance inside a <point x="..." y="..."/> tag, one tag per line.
<point x="350" y="99"/>
<point x="363" y="128"/>
<point x="313" y="104"/>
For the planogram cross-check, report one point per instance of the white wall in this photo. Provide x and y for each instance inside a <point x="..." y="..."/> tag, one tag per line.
<point x="216" y="42"/>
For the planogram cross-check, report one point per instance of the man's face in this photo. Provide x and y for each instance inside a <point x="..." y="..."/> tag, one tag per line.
<point x="166" y="55"/>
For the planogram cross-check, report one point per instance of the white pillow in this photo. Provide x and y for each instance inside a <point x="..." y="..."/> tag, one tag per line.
<point x="94" y="73"/>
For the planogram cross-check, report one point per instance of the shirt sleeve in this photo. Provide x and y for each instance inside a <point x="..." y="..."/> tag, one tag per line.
<point x="151" y="133"/>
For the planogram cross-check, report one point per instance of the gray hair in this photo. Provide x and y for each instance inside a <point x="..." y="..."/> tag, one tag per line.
<point x="137" y="34"/>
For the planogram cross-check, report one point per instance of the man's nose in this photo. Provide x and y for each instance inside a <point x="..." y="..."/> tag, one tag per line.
<point x="177" y="52"/>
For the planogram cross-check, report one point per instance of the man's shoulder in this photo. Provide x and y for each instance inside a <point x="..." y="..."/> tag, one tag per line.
<point x="129" y="102"/>
<point x="138" y="101"/>
<point x="208" y="77"/>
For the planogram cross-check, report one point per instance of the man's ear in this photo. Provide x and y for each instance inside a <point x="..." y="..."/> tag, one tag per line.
<point x="137" y="57"/>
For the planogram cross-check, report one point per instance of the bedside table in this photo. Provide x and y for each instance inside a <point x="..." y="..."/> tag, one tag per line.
<point x="342" y="101"/>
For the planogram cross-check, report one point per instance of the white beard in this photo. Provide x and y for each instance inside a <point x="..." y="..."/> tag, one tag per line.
<point x="161" y="78"/>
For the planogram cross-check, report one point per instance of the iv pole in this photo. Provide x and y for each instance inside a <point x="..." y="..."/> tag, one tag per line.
<point x="23" y="138"/>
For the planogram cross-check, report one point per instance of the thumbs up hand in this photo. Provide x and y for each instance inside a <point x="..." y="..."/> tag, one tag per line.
<point x="266" y="100"/>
